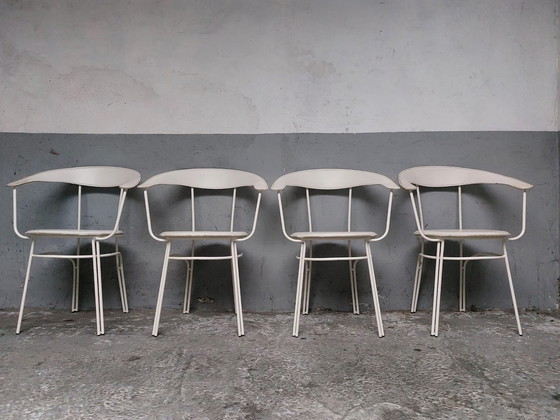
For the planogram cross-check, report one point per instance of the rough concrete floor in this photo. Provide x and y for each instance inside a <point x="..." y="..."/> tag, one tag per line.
<point x="338" y="368"/>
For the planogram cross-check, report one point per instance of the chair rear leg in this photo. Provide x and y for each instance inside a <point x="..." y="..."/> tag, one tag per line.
<point x="75" y="284"/>
<point x="188" y="281"/>
<point x="25" y="284"/>
<point x="299" y="290"/>
<point x="161" y="289"/>
<point x="76" y="278"/>
<point x="353" y="282"/>
<point x="188" y="287"/>
<point x="307" y="282"/>
<point x="514" y="301"/>
<point x="354" y="288"/>
<point x="122" y="282"/>
<point x="417" y="281"/>
<point x="463" y="286"/>
<point x="462" y="280"/>
<point x="307" y="288"/>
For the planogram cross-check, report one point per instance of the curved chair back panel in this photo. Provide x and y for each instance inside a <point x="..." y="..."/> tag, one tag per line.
<point x="208" y="178"/>
<point x="90" y="176"/>
<point x="449" y="176"/>
<point x="331" y="179"/>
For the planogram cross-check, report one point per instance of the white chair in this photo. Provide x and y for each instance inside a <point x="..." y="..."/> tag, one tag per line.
<point x="318" y="181"/>
<point x="195" y="180"/>
<point x="427" y="178"/>
<point x="85" y="178"/>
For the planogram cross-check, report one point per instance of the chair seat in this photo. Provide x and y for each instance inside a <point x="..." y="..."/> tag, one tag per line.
<point x="203" y="234"/>
<point x="71" y="233"/>
<point x="465" y="234"/>
<point x="333" y="235"/>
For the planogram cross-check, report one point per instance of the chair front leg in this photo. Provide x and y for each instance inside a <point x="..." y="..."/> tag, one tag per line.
<point x="159" y="303"/>
<point x="96" y="287"/>
<point x="380" y="330"/>
<point x="299" y="289"/>
<point x="121" y="279"/>
<point x="440" y="252"/>
<point x="307" y="282"/>
<point x="237" y="289"/>
<point x="514" y="301"/>
<point x="417" y="277"/>
<point x="353" y="282"/>
<point x="25" y="284"/>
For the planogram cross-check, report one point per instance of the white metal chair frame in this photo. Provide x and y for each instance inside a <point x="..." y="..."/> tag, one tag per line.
<point x="413" y="179"/>
<point x="208" y="179"/>
<point x="333" y="179"/>
<point x="88" y="176"/>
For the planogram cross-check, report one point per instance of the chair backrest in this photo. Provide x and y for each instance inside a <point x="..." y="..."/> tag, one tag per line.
<point x="90" y="176"/>
<point x="332" y="180"/>
<point x="208" y="178"/>
<point x="85" y="176"/>
<point x="436" y="177"/>
<point x="452" y="176"/>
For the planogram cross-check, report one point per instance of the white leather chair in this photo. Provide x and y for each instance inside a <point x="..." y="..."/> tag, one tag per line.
<point x="85" y="178"/>
<point x="423" y="178"/>
<point x="317" y="181"/>
<point x="204" y="179"/>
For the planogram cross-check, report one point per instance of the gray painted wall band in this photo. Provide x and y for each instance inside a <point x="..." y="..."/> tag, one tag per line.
<point x="268" y="267"/>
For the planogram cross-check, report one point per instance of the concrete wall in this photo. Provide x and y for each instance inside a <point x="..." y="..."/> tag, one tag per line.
<point x="424" y="82"/>
<point x="268" y="267"/>
<point x="255" y="66"/>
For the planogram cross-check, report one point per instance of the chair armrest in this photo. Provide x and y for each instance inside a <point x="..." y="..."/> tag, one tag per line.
<point x="257" y="207"/>
<point x="523" y="218"/>
<point x="122" y="197"/>
<point x="282" y="219"/>
<point x="388" y="222"/>
<point x="419" y="226"/>
<point x="149" y="218"/>
<point x="16" y="230"/>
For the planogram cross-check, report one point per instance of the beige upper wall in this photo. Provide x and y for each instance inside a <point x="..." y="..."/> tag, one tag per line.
<point x="261" y="66"/>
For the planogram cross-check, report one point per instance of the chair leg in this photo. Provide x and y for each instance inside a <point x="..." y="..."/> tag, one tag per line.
<point x="100" y="287"/>
<point x="76" y="278"/>
<point x="161" y="289"/>
<point x="462" y="280"/>
<point x="25" y="283"/>
<point x="440" y="252"/>
<point x="75" y="284"/>
<point x="307" y="283"/>
<point x="463" y="286"/>
<point x="299" y="287"/>
<point x="374" y="293"/>
<point x="237" y="289"/>
<point x="354" y="287"/>
<point x="95" y="264"/>
<point x="188" y="287"/>
<point x="417" y="280"/>
<point x="514" y="301"/>
<point x="353" y="282"/>
<point x="122" y="282"/>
